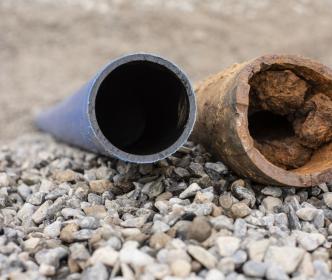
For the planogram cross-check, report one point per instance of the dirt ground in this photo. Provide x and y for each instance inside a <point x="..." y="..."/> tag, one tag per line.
<point x="48" y="49"/>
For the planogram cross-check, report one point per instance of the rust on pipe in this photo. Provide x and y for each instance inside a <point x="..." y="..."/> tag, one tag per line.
<point x="270" y="120"/>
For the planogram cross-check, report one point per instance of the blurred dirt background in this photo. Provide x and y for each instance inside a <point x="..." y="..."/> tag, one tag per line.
<point x="48" y="49"/>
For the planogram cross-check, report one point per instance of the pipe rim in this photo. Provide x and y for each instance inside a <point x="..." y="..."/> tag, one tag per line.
<point x="241" y="95"/>
<point x="106" y="144"/>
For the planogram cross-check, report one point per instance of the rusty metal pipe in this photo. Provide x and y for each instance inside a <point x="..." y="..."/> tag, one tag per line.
<point x="139" y="108"/>
<point x="236" y="115"/>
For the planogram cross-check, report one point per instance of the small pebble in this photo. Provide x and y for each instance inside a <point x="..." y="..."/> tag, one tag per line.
<point x="106" y="255"/>
<point x="240" y="210"/>
<point x="227" y="245"/>
<point x="180" y="268"/>
<point x="307" y="213"/>
<point x="270" y="203"/>
<point x="41" y="212"/>
<point x="97" y="272"/>
<point x="328" y="199"/>
<point x="272" y="191"/>
<point x="53" y="230"/>
<point x="202" y="256"/>
<point x="200" y="229"/>
<point x="190" y="191"/>
<point x="288" y="258"/>
<point x="66" y="176"/>
<point x="218" y="167"/>
<point x="100" y="186"/>
<point x="254" y="269"/>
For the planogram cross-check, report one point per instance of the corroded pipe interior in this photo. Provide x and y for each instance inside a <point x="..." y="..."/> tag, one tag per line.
<point x="290" y="117"/>
<point x="142" y="107"/>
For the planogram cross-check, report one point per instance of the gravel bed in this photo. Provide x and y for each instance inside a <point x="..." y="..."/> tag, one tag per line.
<point x="68" y="214"/>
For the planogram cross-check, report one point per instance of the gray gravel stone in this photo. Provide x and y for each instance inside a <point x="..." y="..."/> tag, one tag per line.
<point x="214" y="274"/>
<point x="89" y="223"/>
<point x="36" y="198"/>
<point x="270" y="203"/>
<point x="100" y="186"/>
<point x="226" y="266"/>
<point x="127" y="221"/>
<point x="56" y="207"/>
<point x="66" y="176"/>
<point x="307" y="213"/>
<point x="241" y="191"/>
<point x="53" y="230"/>
<point x="181" y="172"/>
<point x="202" y="256"/>
<point x="159" y="226"/>
<point x="257" y="249"/>
<point x="293" y="220"/>
<point x="239" y="257"/>
<point x="226" y="201"/>
<point x="154" y="188"/>
<point x="310" y="241"/>
<point x="41" y="212"/>
<point x="94" y="199"/>
<point x="240" y="228"/>
<point x="79" y="252"/>
<point x="131" y="255"/>
<point x="199" y="209"/>
<point x="227" y="245"/>
<point x="254" y="269"/>
<point x="96" y="272"/>
<point x="319" y="219"/>
<point x="328" y="199"/>
<point x="51" y="256"/>
<point x="272" y="191"/>
<point x="47" y="270"/>
<point x="288" y="258"/>
<point x="275" y="272"/>
<point x="197" y="169"/>
<point x="26" y="211"/>
<point x="24" y="191"/>
<point x="218" y="167"/>
<point x="180" y="268"/>
<point x="200" y="229"/>
<point x="135" y="222"/>
<point x="222" y="222"/>
<point x="72" y="213"/>
<point x="6" y="180"/>
<point x="105" y="255"/>
<point x="190" y="191"/>
<point x="83" y="234"/>
<point x="240" y="210"/>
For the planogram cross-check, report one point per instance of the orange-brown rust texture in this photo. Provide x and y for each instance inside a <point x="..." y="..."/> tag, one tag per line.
<point x="266" y="120"/>
<point x="284" y="93"/>
<point x="315" y="127"/>
<point x="287" y="153"/>
<point x="281" y="92"/>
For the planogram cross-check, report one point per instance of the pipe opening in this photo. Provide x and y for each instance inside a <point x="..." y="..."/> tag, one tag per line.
<point x="290" y="117"/>
<point x="142" y="107"/>
<point x="265" y="125"/>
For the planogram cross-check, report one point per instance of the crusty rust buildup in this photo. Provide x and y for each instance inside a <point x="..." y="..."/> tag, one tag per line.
<point x="287" y="153"/>
<point x="315" y="127"/>
<point x="309" y="115"/>
<point x="269" y="119"/>
<point x="281" y="92"/>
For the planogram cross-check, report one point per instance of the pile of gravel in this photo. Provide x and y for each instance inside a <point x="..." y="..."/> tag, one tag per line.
<point x="68" y="214"/>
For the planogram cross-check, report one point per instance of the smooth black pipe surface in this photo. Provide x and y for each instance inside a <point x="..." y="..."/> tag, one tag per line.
<point x="139" y="108"/>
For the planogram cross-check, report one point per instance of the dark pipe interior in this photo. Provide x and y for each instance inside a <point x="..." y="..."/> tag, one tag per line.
<point x="142" y="107"/>
<point x="267" y="125"/>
